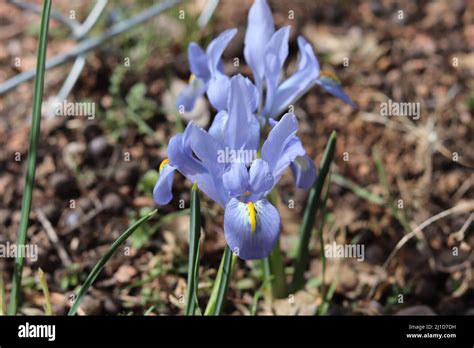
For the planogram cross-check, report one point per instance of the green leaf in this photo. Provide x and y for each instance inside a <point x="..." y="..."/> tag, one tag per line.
<point x="103" y="260"/>
<point x="193" y="260"/>
<point x="311" y="210"/>
<point x="2" y="295"/>
<point x="45" y="288"/>
<point x="32" y="154"/>
<point x="273" y="264"/>
<point x="216" y="301"/>
<point x="358" y="190"/>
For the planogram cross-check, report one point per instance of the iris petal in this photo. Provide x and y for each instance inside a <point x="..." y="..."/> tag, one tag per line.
<point x="282" y="145"/>
<point x="304" y="171"/>
<point x="218" y="91"/>
<point x="275" y="56"/>
<point x="217" y="129"/>
<point x="236" y="179"/>
<point x="188" y="96"/>
<point x="246" y="244"/>
<point x="162" y="192"/>
<point x="216" y="48"/>
<point x="207" y="150"/>
<point x="261" y="178"/>
<point x="334" y="87"/>
<point x="298" y="83"/>
<point x="260" y="29"/>
<point x="198" y="61"/>
<point x="181" y="157"/>
<point x="243" y="128"/>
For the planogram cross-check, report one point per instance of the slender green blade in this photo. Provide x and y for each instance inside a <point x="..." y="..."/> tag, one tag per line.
<point x="275" y="273"/>
<point x="103" y="260"/>
<point x="311" y="210"/>
<point x="193" y="260"/>
<point x="273" y="265"/>
<point x="45" y="288"/>
<point x="2" y="296"/>
<point x="216" y="301"/>
<point x="358" y="190"/>
<point x="32" y="153"/>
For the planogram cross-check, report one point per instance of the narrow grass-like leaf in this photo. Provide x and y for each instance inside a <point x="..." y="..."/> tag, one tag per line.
<point x="103" y="260"/>
<point x="311" y="210"/>
<point x="321" y="237"/>
<point x="216" y="301"/>
<point x="274" y="268"/>
<point x="397" y="213"/>
<point x="381" y="170"/>
<point x="32" y="153"/>
<point x="2" y="296"/>
<point x="193" y="259"/>
<point x="358" y="190"/>
<point x="47" y="297"/>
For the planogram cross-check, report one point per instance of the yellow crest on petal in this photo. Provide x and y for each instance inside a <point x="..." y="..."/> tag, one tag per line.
<point x="331" y="75"/>
<point x="252" y="217"/>
<point x="164" y="163"/>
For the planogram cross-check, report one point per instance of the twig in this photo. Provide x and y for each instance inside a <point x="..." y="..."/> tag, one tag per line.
<point x="90" y="43"/>
<point x="459" y="235"/>
<point x="72" y="24"/>
<point x="461" y="207"/>
<point x="53" y="237"/>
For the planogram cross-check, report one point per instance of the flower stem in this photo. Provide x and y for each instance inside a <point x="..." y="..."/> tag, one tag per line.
<point x="32" y="154"/>
<point x="312" y="207"/>
<point x="193" y="260"/>
<point x="216" y="301"/>
<point x="273" y="264"/>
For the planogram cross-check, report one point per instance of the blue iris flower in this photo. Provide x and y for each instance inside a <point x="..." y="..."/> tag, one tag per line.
<point x="223" y="161"/>
<point x="266" y="51"/>
<point x="204" y="67"/>
<point x="239" y="183"/>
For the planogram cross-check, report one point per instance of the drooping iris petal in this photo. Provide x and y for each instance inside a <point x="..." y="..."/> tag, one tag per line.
<point x="304" y="171"/>
<point x="216" y="48"/>
<point x="243" y="129"/>
<point x="198" y="62"/>
<point x="292" y="150"/>
<point x="260" y="177"/>
<point x="218" y="91"/>
<point x="162" y="193"/>
<point x="298" y="83"/>
<point x="181" y="157"/>
<point x="329" y="81"/>
<point x="188" y="96"/>
<point x="248" y="244"/>
<point x="217" y="129"/>
<point x="275" y="56"/>
<point x="279" y="136"/>
<point x="207" y="150"/>
<point x="260" y="29"/>
<point x="236" y="179"/>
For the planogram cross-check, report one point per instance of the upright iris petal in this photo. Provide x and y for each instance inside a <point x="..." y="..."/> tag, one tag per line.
<point x="251" y="229"/>
<point x="162" y="191"/>
<point x="298" y="83"/>
<point x="198" y="62"/>
<point x="243" y="129"/>
<point x="260" y="29"/>
<point x="204" y="68"/>
<point x="275" y="56"/>
<point x="236" y="179"/>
